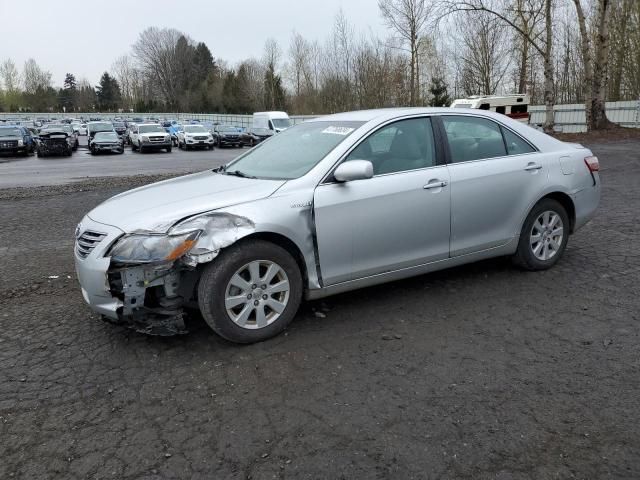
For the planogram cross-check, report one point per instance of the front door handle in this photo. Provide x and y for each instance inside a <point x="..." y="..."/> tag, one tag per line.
<point x="435" y="184"/>
<point x="532" y="166"/>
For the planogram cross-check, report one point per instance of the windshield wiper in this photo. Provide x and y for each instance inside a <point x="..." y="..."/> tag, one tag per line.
<point x="238" y="173"/>
<point x="220" y="169"/>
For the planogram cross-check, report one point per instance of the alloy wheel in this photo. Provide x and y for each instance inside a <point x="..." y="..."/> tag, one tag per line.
<point x="257" y="294"/>
<point x="546" y="235"/>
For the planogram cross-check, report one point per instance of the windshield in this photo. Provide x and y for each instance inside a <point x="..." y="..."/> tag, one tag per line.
<point x="10" y="132"/>
<point x="281" y="122"/>
<point x="195" y="129"/>
<point x="294" y="152"/>
<point x="227" y="129"/>
<point x="97" y="127"/>
<point x="118" y="124"/>
<point x="150" y="128"/>
<point x="65" y="128"/>
<point x="106" y="136"/>
<point x="462" y="105"/>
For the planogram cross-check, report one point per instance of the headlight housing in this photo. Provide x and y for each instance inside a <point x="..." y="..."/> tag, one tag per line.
<point x="153" y="248"/>
<point x="145" y="138"/>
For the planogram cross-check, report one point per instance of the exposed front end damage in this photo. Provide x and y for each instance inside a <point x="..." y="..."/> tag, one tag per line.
<point x="154" y="295"/>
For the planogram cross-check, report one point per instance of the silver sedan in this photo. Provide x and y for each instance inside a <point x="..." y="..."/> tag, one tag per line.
<point x="333" y="204"/>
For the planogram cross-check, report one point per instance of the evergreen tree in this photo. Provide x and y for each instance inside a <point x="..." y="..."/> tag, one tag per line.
<point x="108" y="93"/>
<point x="274" y="98"/>
<point x="67" y="95"/>
<point x="439" y="94"/>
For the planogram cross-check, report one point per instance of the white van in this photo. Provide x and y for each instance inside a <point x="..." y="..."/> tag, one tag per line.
<point x="515" y="106"/>
<point x="274" y="121"/>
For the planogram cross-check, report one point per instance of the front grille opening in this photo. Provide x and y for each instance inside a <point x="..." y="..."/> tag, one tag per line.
<point x="86" y="242"/>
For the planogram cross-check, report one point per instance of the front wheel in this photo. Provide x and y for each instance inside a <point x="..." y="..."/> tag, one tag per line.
<point x="544" y="236"/>
<point x="168" y="149"/>
<point x="250" y="292"/>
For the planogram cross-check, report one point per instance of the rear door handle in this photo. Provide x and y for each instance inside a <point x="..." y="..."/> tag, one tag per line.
<point x="435" y="184"/>
<point x="533" y="166"/>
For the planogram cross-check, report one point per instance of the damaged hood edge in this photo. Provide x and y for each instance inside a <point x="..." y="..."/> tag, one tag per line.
<point x="158" y="206"/>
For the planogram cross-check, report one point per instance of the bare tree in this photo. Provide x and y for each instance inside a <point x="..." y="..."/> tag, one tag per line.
<point x="595" y="62"/>
<point x="544" y="47"/>
<point x="34" y="77"/>
<point x="156" y="52"/>
<point x="485" y="58"/>
<point x="408" y="18"/>
<point x="9" y="76"/>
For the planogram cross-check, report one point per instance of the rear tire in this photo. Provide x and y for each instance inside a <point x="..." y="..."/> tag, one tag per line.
<point x="216" y="292"/>
<point x="544" y="236"/>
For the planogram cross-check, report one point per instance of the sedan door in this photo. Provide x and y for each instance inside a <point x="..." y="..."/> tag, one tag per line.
<point x="395" y="220"/>
<point x="496" y="176"/>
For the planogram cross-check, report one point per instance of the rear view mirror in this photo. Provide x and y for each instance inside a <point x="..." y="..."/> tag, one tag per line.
<point x="353" y="170"/>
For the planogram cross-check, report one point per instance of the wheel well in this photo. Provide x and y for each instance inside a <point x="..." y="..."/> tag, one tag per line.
<point x="288" y="245"/>
<point x="566" y="201"/>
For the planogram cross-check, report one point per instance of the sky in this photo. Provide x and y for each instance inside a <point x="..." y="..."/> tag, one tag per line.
<point x="84" y="38"/>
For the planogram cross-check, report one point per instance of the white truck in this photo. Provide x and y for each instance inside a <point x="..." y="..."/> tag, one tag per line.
<point x="274" y="121"/>
<point x="514" y="105"/>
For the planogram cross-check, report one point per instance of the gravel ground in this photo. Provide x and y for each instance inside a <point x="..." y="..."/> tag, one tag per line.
<point x="479" y="372"/>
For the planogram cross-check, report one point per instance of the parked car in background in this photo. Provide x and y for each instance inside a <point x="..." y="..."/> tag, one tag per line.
<point x="16" y="140"/>
<point x="363" y="198"/>
<point x="274" y="121"/>
<point x="254" y="136"/>
<point x="149" y="136"/>
<point x="226" y="135"/>
<point x="194" y="136"/>
<point x="54" y="141"/>
<point x="173" y="132"/>
<point x="120" y="128"/>
<point x="98" y="126"/>
<point x="72" y="135"/>
<point x="106" y="142"/>
<point x="80" y="128"/>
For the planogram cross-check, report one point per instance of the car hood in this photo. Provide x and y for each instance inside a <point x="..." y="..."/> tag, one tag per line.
<point x="158" y="206"/>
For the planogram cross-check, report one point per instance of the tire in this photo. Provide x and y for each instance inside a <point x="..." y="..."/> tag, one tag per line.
<point x="214" y="285"/>
<point x="38" y="154"/>
<point x="140" y="148"/>
<point x="133" y="147"/>
<point x="536" y="235"/>
<point x="168" y="149"/>
<point x="210" y="147"/>
<point x="120" y="152"/>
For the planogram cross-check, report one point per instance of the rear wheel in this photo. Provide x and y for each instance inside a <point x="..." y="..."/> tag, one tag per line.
<point x="251" y="291"/>
<point x="544" y="236"/>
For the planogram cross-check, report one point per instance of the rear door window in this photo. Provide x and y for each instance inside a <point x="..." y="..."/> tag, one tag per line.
<point x="473" y="138"/>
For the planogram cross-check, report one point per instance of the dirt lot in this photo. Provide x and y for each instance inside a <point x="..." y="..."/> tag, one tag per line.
<point x="479" y="372"/>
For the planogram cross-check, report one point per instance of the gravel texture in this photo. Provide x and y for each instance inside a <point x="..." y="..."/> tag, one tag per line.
<point x="479" y="372"/>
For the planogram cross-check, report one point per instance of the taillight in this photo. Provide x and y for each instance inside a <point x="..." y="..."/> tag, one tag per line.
<point x="592" y="163"/>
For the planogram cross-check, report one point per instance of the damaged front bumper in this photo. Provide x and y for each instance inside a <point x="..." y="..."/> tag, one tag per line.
<point x="148" y="297"/>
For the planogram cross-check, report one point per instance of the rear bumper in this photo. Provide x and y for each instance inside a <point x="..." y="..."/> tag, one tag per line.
<point x="586" y="203"/>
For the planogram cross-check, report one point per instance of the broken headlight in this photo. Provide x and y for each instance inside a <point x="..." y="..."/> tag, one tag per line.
<point x="148" y="248"/>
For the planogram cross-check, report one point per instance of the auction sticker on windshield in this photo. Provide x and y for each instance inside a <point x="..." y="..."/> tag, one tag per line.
<point x="338" y="130"/>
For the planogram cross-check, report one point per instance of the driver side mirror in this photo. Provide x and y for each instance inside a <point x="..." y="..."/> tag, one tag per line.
<point x="353" y="170"/>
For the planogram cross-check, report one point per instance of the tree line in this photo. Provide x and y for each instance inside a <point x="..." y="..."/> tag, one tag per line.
<point x="557" y="51"/>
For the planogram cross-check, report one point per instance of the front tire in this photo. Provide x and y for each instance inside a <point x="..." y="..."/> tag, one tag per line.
<point x="250" y="292"/>
<point x="168" y="149"/>
<point x="544" y="236"/>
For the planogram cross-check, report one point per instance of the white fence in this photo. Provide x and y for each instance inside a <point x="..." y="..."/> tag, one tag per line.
<point x="568" y="118"/>
<point x="572" y="119"/>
